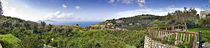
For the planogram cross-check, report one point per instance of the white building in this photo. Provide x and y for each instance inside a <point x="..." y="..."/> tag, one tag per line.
<point x="203" y="14"/>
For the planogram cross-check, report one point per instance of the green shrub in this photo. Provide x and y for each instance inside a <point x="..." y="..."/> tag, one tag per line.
<point x="9" y="41"/>
<point x="184" y="45"/>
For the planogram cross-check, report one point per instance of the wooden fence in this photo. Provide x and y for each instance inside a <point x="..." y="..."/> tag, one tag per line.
<point x="173" y="34"/>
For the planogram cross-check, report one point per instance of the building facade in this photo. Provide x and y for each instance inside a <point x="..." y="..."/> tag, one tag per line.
<point x="204" y="14"/>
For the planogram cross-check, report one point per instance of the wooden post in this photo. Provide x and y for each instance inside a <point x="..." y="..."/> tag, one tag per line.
<point x="178" y="27"/>
<point x="164" y="35"/>
<point x="172" y="27"/>
<point x="169" y="36"/>
<point x="176" y="35"/>
<point x="189" y="38"/>
<point x="185" y="28"/>
<point x="184" y="37"/>
<point x="192" y="35"/>
<point x="161" y="35"/>
<point x="181" y="37"/>
<point x="195" y="41"/>
<point x="150" y="33"/>
<point x="155" y="34"/>
<point x="158" y="34"/>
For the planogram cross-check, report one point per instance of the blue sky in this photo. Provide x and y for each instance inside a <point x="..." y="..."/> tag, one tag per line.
<point x="66" y="11"/>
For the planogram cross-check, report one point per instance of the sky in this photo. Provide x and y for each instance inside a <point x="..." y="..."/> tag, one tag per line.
<point x="67" y="11"/>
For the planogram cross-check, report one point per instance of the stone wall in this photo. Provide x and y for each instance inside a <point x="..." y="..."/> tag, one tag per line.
<point x="149" y="43"/>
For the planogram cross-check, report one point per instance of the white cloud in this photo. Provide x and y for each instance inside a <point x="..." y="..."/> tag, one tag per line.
<point x="59" y="16"/>
<point x="111" y="1"/>
<point x="64" y="6"/>
<point x="77" y="7"/>
<point x="62" y="17"/>
<point x="122" y="1"/>
<point x="23" y="11"/>
<point x="141" y="3"/>
<point x="127" y="1"/>
<point x="171" y="6"/>
<point x="160" y="11"/>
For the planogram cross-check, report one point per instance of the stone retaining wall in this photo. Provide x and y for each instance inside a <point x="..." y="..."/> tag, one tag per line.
<point x="149" y="43"/>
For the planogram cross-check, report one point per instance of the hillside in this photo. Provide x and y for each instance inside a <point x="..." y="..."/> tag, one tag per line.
<point x="133" y="23"/>
<point x="12" y="22"/>
<point x="188" y="17"/>
<point x="39" y="35"/>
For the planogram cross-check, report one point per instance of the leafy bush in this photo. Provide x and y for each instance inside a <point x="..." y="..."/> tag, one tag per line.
<point x="9" y="41"/>
<point x="184" y="45"/>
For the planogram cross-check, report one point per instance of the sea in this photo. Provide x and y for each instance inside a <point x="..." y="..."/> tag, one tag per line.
<point x="82" y="24"/>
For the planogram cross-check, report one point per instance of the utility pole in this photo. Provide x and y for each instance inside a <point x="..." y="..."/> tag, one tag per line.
<point x="200" y="40"/>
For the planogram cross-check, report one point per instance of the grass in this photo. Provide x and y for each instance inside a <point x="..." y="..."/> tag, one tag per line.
<point x="205" y="33"/>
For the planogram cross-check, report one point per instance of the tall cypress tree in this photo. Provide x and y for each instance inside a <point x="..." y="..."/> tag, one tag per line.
<point x="1" y="9"/>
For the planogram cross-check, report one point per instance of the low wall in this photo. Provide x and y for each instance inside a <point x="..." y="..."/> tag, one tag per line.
<point x="149" y="43"/>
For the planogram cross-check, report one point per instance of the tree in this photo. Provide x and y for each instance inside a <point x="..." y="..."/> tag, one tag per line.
<point x="183" y="17"/>
<point x="50" y="27"/>
<point x="77" y="24"/>
<point x="43" y="24"/>
<point x="35" y="27"/>
<point x="205" y="22"/>
<point x="185" y="8"/>
<point x="1" y="10"/>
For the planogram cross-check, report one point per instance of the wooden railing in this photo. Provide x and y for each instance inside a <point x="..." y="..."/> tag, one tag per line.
<point x="174" y="34"/>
